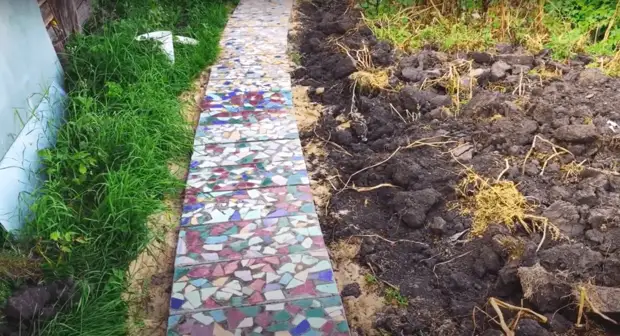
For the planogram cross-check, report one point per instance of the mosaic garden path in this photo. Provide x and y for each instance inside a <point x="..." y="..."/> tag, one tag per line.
<point x="319" y="316"/>
<point x="249" y="239"/>
<point x="251" y="258"/>
<point x="252" y="281"/>
<point x="202" y="208"/>
<point x="237" y="153"/>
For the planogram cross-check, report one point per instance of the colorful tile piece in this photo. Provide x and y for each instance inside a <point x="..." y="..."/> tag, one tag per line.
<point x="244" y="117"/>
<point x="273" y="35"/>
<point x="257" y="21"/>
<point x="215" y="155"/>
<point x="244" y="101"/>
<point x="252" y="281"/>
<point x="231" y="206"/>
<point x="275" y="32"/>
<point x="263" y="6"/>
<point x="262" y="44"/>
<point x="264" y="18"/>
<point x="250" y="84"/>
<point x="248" y="239"/>
<point x="234" y="31"/>
<point x="319" y="316"/>
<point x="276" y="128"/>
<point x="222" y="72"/>
<point x="249" y="176"/>
<point x="254" y="60"/>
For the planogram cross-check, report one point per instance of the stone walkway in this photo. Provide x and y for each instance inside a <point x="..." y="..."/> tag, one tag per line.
<point x="250" y="257"/>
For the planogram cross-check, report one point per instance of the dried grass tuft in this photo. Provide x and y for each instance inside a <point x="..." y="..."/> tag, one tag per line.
<point x="499" y="202"/>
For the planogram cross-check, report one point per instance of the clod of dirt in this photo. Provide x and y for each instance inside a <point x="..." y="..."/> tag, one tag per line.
<point x="565" y="216"/>
<point x="352" y="289"/>
<point x="516" y="59"/>
<point x="484" y="105"/>
<point x="499" y="70"/>
<point x="331" y="26"/>
<point x="412" y="206"/>
<point x="40" y="301"/>
<point x="481" y="57"/>
<point x="412" y="74"/>
<point x="592" y="77"/>
<point x="341" y="67"/>
<point x="605" y="299"/>
<point x="575" y="258"/>
<point x="422" y="101"/>
<point x="381" y="54"/>
<point x="577" y="133"/>
<point x="603" y="216"/>
<point x="546" y="291"/>
<point x="528" y="327"/>
<point x="558" y="323"/>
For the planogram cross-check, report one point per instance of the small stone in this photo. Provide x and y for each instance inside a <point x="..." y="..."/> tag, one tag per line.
<point x="438" y="225"/>
<point x="498" y="70"/>
<point x="464" y="153"/>
<point x="319" y="90"/>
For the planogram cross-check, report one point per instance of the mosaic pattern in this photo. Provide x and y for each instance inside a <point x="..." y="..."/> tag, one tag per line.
<point x="248" y="176"/>
<point x="268" y="35"/>
<point x="221" y="72"/>
<point x="254" y="60"/>
<point x="253" y="281"/>
<point x="251" y="259"/>
<point x="219" y="117"/>
<point x="250" y="84"/>
<point x="262" y="21"/>
<point x="261" y="45"/>
<point x="252" y="101"/>
<point x="275" y="128"/>
<point x="215" y="155"/>
<point x="320" y="316"/>
<point x="240" y="205"/>
<point x="248" y="239"/>
<point x="275" y="32"/>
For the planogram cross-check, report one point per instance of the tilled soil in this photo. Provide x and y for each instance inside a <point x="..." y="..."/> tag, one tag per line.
<point x="413" y="230"/>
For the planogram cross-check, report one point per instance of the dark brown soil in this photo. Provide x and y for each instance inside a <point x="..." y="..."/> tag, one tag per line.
<point x="444" y="278"/>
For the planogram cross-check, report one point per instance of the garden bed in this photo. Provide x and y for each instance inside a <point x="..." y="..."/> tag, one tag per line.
<point x="457" y="174"/>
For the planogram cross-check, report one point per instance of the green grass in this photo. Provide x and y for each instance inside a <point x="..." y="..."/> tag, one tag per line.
<point x="394" y="297"/>
<point x="108" y="171"/>
<point x="567" y="27"/>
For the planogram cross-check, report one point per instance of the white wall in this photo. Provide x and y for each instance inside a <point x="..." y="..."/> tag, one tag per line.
<point x="30" y="103"/>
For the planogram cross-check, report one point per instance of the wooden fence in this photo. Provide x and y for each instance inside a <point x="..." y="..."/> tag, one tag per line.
<point x="63" y="18"/>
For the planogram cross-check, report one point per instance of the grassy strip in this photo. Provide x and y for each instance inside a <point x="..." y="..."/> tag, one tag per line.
<point x="109" y="171"/>
<point x="567" y="27"/>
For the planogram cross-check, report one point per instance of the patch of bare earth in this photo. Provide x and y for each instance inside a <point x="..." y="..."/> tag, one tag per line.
<point x="151" y="273"/>
<point x="362" y="307"/>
